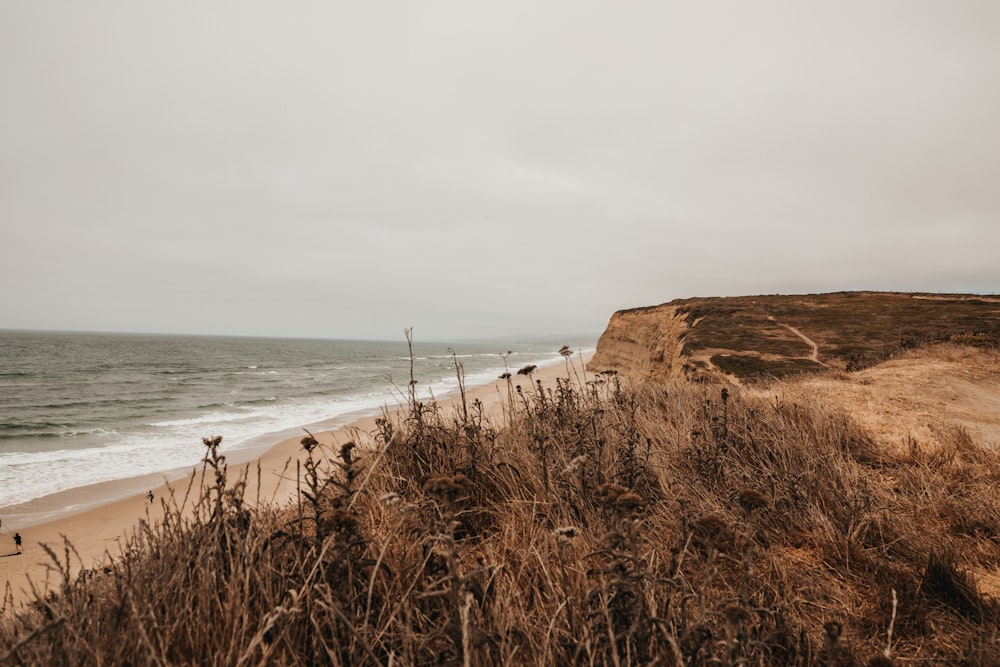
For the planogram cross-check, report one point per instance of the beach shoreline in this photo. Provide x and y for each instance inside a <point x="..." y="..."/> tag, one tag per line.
<point x="95" y="528"/>
<point x="62" y="504"/>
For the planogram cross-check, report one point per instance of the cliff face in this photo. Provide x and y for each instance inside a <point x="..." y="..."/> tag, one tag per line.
<point x="642" y="344"/>
<point x="737" y="339"/>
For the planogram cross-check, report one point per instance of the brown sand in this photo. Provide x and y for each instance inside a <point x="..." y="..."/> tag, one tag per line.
<point x="96" y="533"/>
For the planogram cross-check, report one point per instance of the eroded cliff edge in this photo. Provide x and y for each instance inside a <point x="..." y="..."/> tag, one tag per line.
<point x="642" y="344"/>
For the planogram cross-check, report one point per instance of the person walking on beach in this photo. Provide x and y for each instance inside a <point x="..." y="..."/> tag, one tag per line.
<point x="17" y="541"/>
<point x="150" y="496"/>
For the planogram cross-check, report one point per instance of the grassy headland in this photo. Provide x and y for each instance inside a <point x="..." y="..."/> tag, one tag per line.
<point x="747" y="338"/>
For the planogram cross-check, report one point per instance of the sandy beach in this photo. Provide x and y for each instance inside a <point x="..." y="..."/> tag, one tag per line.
<point x="95" y="533"/>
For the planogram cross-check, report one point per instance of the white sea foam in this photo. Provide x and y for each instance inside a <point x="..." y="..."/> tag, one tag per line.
<point x="162" y="446"/>
<point x="169" y="438"/>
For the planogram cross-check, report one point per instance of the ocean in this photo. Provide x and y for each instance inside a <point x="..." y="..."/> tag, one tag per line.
<point x="82" y="408"/>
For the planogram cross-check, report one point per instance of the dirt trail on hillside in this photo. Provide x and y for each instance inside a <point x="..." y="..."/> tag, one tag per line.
<point x="814" y="355"/>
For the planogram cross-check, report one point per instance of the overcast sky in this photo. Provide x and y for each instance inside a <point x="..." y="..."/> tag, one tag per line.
<point x="348" y="169"/>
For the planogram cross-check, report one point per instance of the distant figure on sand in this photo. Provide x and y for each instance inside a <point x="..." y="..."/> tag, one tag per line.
<point x="17" y="541"/>
<point x="150" y="496"/>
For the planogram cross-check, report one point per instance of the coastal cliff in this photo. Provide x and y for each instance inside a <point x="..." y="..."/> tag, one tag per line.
<point x="740" y="339"/>
<point x="642" y="344"/>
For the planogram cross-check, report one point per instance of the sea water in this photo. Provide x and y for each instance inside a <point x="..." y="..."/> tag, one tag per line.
<point x="82" y="408"/>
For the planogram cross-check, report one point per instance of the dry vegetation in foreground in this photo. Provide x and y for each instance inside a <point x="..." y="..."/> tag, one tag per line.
<point x="591" y="524"/>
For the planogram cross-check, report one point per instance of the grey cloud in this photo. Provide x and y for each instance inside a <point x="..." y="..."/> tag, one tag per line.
<point x="482" y="169"/>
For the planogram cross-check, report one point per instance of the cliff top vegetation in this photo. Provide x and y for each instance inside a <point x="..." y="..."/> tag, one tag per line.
<point x="753" y="337"/>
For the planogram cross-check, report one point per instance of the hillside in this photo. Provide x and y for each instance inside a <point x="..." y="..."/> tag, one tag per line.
<point x="748" y="338"/>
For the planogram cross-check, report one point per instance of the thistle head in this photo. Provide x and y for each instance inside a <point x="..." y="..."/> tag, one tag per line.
<point x="345" y="451"/>
<point x="309" y="443"/>
<point x="610" y="492"/>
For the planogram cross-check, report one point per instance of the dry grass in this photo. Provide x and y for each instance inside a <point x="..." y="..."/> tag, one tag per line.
<point x="591" y="524"/>
<point x="853" y="330"/>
